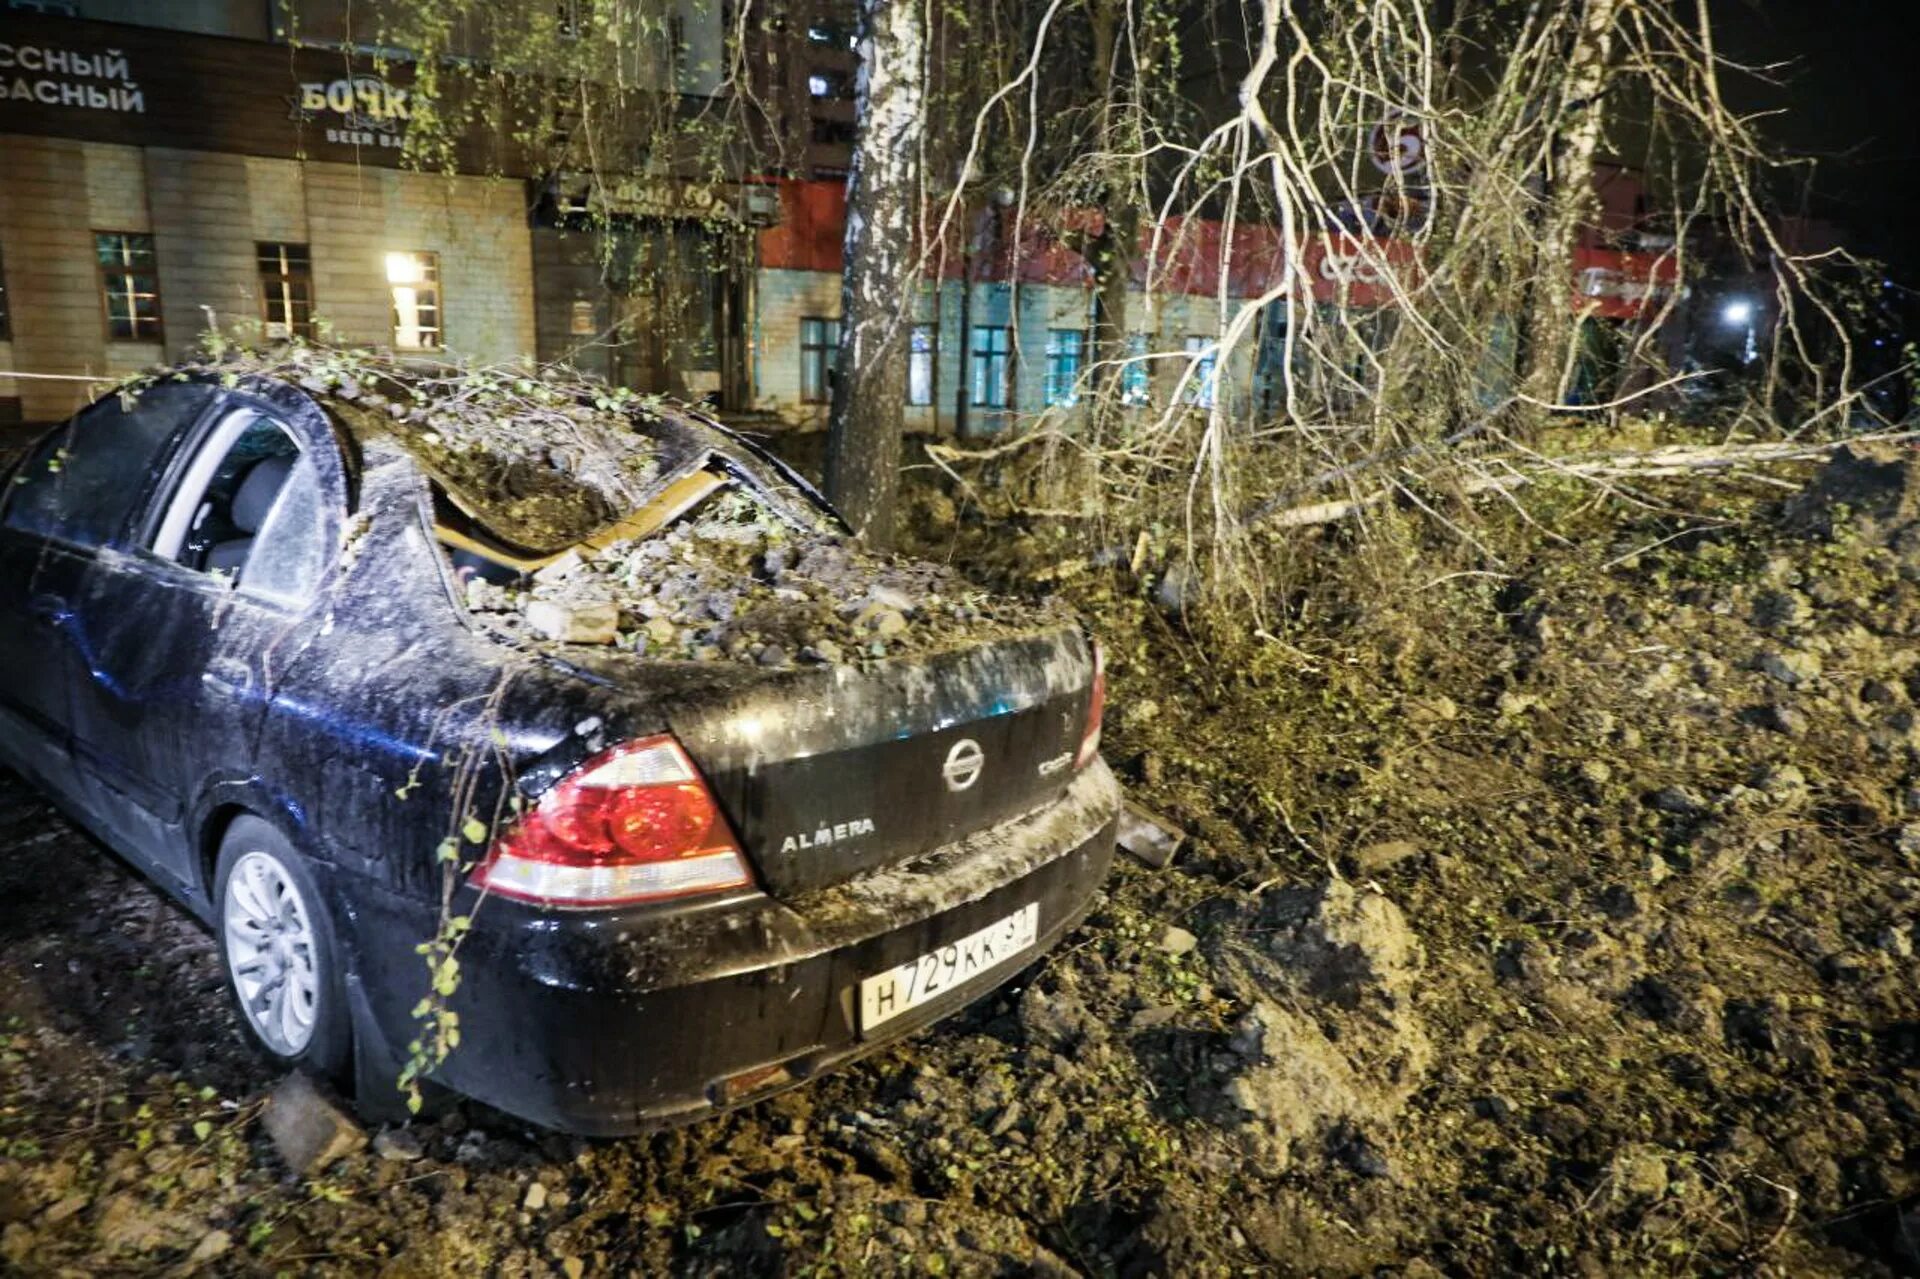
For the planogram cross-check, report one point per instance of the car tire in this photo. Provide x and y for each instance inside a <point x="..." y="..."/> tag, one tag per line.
<point x="279" y="953"/>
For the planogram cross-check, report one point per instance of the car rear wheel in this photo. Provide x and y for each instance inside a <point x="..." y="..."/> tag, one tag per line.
<point x="278" y="948"/>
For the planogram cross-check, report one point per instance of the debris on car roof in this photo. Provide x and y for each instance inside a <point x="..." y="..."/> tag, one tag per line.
<point x="548" y="454"/>
<point x="733" y="580"/>
<point x="670" y="546"/>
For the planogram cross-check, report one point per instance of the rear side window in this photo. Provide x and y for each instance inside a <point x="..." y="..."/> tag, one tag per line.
<point x="80" y="483"/>
<point x="290" y="552"/>
<point x="250" y="508"/>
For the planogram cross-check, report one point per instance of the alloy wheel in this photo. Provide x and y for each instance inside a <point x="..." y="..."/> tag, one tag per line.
<point x="272" y="952"/>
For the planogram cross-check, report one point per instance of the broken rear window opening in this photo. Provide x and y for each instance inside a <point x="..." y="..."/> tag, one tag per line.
<point x="532" y="491"/>
<point x="712" y="570"/>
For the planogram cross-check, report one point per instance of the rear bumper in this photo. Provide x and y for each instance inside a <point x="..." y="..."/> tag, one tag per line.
<point x="615" y="1022"/>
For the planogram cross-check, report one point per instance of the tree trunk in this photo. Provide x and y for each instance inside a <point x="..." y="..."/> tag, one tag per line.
<point x="1568" y="201"/>
<point x="879" y="282"/>
<point x="1112" y="252"/>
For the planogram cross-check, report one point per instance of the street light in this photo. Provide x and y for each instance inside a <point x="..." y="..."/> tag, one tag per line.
<point x="1739" y="313"/>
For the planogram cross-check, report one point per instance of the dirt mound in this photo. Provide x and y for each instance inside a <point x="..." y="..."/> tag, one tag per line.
<point x="1875" y="488"/>
<point x="547" y="454"/>
<point x="1330" y="1044"/>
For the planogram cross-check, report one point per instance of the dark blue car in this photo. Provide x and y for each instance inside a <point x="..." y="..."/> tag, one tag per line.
<point x="237" y="644"/>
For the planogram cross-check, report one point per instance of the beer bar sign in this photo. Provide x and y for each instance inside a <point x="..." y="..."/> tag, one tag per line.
<point x="360" y="110"/>
<point x="138" y="86"/>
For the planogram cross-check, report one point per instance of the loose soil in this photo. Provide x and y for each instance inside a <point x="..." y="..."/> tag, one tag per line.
<point x="1549" y="905"/>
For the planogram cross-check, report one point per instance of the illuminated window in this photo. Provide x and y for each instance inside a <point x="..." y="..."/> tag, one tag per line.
<point x="129" y="285"/>
<point x="920" y="354"/>
<point x="414" y="281"/>
<point x="286" y="289"/>
<point x="829" y="84"/>
<point x="1065" y="349"/>
<point x="819" y="349"/>
<point x="990" y="384"/>
<point x="1136" y="380"/>
<point x="1203" y="383"/>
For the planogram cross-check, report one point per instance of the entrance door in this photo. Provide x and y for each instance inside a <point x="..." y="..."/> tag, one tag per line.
<point x="681" y="315"/>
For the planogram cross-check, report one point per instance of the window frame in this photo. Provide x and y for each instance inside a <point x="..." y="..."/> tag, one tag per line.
<point x="826" y="84"/>
<point x="280" y="282"/>
<point x="314" y="443"/>
<point x="1136" y="372"/>
<point x="1002" y="353"/>
<point x="431" y="280"/>
<point x="1203" y="385"/>
<point x="6" y="313"/>
<point x="1061" y="389"/>
<point x="930" y="357"/>
<point x="828" y="355"/>
<point x="102" y="274"/>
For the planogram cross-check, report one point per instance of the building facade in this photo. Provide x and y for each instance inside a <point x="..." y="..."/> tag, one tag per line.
<point x="158" y="181"/>
<point x="189" y="170"/>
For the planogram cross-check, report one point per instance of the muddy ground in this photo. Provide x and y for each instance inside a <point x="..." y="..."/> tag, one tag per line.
<point x="1550" y="907"/>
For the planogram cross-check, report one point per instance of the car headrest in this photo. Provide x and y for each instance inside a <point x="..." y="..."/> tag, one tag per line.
<point x="254" y="498"/>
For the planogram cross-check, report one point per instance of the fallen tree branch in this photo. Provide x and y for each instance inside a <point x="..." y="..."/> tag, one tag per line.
<point x="1672" y="460"/>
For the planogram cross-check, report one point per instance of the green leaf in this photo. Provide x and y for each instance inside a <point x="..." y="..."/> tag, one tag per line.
<point x="449" y="850"/>
<point x="202" y="1130"/>
<point x="475" y="830"/>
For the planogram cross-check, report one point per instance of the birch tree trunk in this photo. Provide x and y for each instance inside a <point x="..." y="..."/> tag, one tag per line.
<point x="879" y="280"/>
<point x="1112" y="252"/>
<point x="1568" y="200"/>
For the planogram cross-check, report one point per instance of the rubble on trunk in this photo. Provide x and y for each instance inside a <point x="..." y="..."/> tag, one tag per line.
<point x="734" y="581"/>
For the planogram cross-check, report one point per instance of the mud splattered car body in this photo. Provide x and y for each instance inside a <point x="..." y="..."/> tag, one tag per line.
<point x="940" y="810"/>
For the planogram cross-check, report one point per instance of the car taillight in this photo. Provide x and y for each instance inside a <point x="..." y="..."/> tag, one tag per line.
<point x="632" y="824"/>
<point x="1096" y="709"/>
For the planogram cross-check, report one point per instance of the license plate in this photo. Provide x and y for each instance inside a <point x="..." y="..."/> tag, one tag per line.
<point x="885" y="996"/>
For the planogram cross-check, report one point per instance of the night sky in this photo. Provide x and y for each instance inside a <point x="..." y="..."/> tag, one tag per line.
<point x="1852" y="97"/>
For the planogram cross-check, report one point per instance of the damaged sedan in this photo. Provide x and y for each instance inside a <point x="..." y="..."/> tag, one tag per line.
<point x="558" y="744"/>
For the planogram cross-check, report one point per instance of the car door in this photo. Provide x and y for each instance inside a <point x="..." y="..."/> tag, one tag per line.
<point x="188" y="624"/>
<point x="73" y="495"/>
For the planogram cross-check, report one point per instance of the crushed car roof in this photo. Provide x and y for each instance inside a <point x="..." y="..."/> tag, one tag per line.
<point x="620" y="513"/>
<point x="543" y="456"/>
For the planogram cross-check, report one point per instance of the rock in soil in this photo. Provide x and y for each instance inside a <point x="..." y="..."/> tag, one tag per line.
<point x="1148" y="837"/>
<point x="399" y="1145"/>
<point x="308" y="1131"/>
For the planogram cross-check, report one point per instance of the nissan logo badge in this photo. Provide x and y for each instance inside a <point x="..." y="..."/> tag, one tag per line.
<point x="963" y="765"/>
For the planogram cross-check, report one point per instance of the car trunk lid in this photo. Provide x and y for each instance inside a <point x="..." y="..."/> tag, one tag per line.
<point x="829" y="773"/>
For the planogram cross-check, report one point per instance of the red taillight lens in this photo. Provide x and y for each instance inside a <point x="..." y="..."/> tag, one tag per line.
<point x="1096" y="709"/>
<point x="632" y="824"/>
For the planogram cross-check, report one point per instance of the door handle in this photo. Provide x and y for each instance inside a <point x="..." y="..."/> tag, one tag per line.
<point x="229" y="674"/>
